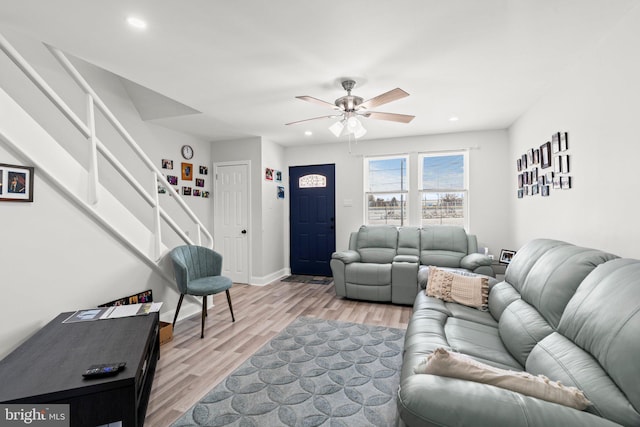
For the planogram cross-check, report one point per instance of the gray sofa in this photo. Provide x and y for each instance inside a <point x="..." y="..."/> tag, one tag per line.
<point x="563" y="311"/>
<point x="382" y="262"/>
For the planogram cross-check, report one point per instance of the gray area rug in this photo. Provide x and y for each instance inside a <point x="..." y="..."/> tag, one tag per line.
<point x="314" y="373"/>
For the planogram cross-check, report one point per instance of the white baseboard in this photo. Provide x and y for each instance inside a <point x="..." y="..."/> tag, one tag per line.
<point x="265" y="280"/>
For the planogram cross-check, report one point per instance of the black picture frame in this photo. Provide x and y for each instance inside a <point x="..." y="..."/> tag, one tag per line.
<point x="545" y="155"/>
<point x="506" y="256"/>
<point x="16" y="183"/>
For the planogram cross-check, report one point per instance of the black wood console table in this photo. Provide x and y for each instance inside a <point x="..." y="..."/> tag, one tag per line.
<point x="48" y="368"/>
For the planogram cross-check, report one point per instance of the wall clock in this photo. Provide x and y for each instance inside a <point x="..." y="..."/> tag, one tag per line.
<point x="187" y="152"/>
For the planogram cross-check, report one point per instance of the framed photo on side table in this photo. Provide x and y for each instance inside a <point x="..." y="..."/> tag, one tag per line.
<point x="506" y="256"/>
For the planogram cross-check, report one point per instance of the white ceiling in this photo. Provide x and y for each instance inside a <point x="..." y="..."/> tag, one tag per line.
<point x="242" y="62"/>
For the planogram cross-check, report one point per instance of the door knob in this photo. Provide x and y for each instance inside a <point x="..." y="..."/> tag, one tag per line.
<point x="244" y="231"/>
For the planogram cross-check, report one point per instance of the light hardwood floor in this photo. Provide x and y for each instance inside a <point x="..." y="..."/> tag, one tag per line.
<point x="189" y="366"/>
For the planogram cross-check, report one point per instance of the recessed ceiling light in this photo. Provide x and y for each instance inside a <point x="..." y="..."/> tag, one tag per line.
<point x="308" y="132"/>
<point x="136" y="23"/>
<point x="453" y="119"/>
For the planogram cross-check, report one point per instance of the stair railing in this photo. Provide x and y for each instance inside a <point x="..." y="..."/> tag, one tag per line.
<point x="89" y="132"/>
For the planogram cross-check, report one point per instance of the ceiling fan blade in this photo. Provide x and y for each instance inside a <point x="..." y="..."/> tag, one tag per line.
<point x="392" y="117"/>
<point x="384" y="98"/>
<point x="333" y="116"/>
<point x="317" y="101"/>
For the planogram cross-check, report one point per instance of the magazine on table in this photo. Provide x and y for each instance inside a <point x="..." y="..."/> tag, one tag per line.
<point x="113" y="312"/>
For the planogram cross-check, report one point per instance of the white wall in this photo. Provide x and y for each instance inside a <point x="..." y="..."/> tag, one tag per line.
<point x="266" y="230"/>
<point x="53" y="257"/>
<point x="488" y="179"/>
<point x="597" y="101"/>
<point x="273" y="211"/>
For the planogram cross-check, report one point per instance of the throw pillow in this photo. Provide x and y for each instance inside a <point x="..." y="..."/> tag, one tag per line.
<point x="452" y="287"/>
<point x="455" y="365"/>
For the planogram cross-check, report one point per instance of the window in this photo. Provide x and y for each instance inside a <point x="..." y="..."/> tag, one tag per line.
<point x="443" y="189"/>
<point x="386" y="190"/>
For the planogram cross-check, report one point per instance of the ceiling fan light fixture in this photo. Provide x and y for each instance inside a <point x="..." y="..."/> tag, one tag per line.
<point x="337" y="128"/>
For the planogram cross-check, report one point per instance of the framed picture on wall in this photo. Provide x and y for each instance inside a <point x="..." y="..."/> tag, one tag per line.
<point x="564" y="141"/>
<point x="16" y="183"/>
<point x="187" y="171"/>
<point x="545" y="155"/>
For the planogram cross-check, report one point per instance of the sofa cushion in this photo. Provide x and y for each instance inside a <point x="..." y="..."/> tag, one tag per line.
<point x="443" y="245"/>
<point x="448" y="364"/>
<point x="560" y="359"/>
<point x="368" y="273"/>
<point x="377" y="244"/>
<point x="521" y="328"/>
<point x="547" y="273"/>
<point x="603" y="318"/>
<point x="500" y="296"/>
<point x="409" y="241"/>
<point x="480" y="341"/>
<point x="459" y="311"/>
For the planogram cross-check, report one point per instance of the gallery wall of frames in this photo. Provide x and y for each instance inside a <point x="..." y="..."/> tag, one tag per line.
<point x="544" y="169"/>
<point x="186" y="178"/>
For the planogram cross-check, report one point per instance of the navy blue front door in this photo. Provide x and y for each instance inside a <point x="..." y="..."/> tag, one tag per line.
<point x="312" y="219"/>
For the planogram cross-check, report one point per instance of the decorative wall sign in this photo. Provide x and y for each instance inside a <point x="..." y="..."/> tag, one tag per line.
<point x="16" y="183"/>
<point x="552" y="154"/>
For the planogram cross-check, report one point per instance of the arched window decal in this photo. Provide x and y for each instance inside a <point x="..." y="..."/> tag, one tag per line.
<point x="312" y="181"/>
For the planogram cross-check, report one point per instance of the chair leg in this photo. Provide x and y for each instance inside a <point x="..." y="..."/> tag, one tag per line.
<point x="230" y="306"/>
<point x="204" y="314"/>
<point x="177" y="310"/>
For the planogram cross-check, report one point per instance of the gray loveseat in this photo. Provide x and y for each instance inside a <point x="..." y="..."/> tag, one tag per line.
<point x="382" y="262"/>
<point x="563" y="311"/>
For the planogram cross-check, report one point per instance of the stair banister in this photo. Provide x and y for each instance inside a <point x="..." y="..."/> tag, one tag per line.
<point x="88" y="131"/>
<point x="73" y="72"/>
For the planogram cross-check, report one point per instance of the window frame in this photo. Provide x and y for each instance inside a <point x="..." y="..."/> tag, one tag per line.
<point x="464" y="190"/>
<point x="404" y="220"/>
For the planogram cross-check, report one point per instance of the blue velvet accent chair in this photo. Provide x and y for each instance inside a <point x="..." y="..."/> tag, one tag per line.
<point x="198" y="272"/>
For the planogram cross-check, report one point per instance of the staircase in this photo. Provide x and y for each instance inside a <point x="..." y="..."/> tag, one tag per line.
<point x="81" y="183"/>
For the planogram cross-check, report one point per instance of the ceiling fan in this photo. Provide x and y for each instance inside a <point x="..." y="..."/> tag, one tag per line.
<point x="350" y="107"/>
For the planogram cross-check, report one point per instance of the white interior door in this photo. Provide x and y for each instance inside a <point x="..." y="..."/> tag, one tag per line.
<point x="231" y="219"/>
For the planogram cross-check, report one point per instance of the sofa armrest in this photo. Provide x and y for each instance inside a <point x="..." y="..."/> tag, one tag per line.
<point x="404" y="279"/>
<point x="430" y="400"/>
<point x="475" y="260"/>
<point x="406" y="258"/>
<point x="346" y="257"/>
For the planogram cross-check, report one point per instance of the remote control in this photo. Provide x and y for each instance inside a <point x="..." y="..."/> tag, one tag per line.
<point x="103" y="370"/>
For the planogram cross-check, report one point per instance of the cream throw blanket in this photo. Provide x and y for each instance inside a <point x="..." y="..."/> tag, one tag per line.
<point x="455" y="365"/>
<point x="451" y="287"/>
